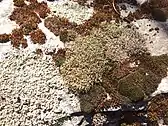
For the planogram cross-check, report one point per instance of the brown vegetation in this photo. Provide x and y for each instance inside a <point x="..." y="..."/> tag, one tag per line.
<point x="38" y="36"/>
<point x="17" y="39"/>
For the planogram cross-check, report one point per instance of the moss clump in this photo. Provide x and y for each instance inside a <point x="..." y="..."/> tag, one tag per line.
<point x="17" y="39"/>
<point x="38" y="36"/>
<point x="42" y="9"/>
<point x="158" y="109"/>
<point x="156" y="64"/>
<point x="59" y="57"/>
<point x="84" y="63"/>
<point x="57" y="24"/>
<point x="67" y="35"/>
<point x="87" y="58"/>
<point x="90" y="101"/>
<point x="29" y="26"/>
<point x="128" y="87"/>
<point x="23" y="15"/>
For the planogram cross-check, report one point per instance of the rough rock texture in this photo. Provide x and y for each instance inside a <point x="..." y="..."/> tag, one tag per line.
<point x="31" y="92"/>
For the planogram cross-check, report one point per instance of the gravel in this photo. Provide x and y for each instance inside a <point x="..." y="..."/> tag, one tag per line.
<point x="32" y="91"/>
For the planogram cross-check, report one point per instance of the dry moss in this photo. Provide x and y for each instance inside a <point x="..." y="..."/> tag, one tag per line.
<point x="40" y="8"/>
<point x="57" y="24"/>
<point x="158" y="108"/>
<point x="38" y="36"/>
<point x="17" y="39"/>
<point x="28" y="26"/>
<point x="83" y="66"/>
<point x="86" y="60"/>
<point x="23" y="14"/>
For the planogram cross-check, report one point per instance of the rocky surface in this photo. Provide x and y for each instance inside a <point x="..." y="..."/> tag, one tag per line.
<point x="32" y="91"/>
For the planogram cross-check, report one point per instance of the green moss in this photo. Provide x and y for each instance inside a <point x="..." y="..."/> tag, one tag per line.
<point x="129" y="86"/>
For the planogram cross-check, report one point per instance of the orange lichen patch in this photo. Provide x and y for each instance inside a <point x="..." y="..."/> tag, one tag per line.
<point x="38" y="36"/>
<point x="4" y="38"/>
<point x="158" y="108"/>
<point x="22" y="15"/>
<point x="19" y="3"/>
<point x="17" y="39"/>
<point x="56" y="24"/>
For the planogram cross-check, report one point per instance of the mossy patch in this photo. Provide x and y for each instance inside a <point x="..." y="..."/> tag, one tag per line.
<point x="90" y="101"/>
<point x="17" y="39"/>
<point x="87" y="58"/>
<point x="19" y="3"/>
<point x="103" y="58"/>
<point x="128" y="86"/>
<point x="145" y="79"/>
<point x="37" y="36"/>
